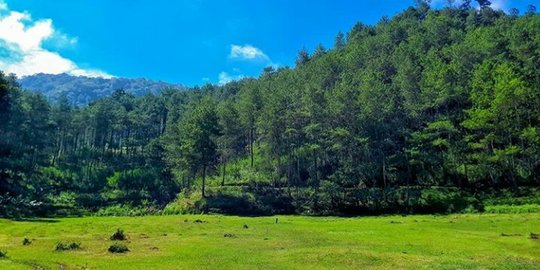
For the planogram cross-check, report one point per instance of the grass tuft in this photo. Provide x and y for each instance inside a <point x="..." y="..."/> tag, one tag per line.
<point x="61" y="246"/>
<point x="119" y="235"/>
<point x="26" y="242"/>
<point x="118" y="248"/>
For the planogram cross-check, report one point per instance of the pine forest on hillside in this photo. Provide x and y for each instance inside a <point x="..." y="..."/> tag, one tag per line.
<point x="430" y="111"/>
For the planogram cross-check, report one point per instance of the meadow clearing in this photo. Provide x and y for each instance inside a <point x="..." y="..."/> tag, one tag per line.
<point x="469" y="241"/>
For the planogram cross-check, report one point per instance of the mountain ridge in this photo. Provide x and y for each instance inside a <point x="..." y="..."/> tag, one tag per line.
<point x="82" y="90"/>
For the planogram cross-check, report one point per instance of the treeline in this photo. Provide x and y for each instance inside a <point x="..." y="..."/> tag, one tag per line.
<point x="398" y="116"/>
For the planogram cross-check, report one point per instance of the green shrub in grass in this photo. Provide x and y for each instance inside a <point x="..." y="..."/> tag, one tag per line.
<point x="118" y="248"/>
<point x="66" y="246"/>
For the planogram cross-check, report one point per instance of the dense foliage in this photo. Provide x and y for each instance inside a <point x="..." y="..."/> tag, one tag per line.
<point x="418" y="113"/>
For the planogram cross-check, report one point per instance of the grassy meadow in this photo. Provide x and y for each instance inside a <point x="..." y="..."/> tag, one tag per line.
<point x="487" y="241"/>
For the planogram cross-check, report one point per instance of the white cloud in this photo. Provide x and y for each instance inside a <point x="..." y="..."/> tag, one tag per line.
<point x="23" y="53"/>
<point x="247" y="52"/>
<point x="60" y="40"/>
<point x="225" y="78"/>
<point x="499" y="4"/>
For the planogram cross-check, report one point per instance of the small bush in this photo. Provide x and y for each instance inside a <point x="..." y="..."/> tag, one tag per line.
<point x="510" y="234"/>
<point x="60" y="246"/>
<point x="26" y="242"/>
<point x="3" y="254"/>
<point x="534" y="236"/>
<point x="118" y="235"/>
<point x="118" y="248"/>
<point x="246" y="226"/>
<point x="121" y="210"/>
<point x="229" y="235"/>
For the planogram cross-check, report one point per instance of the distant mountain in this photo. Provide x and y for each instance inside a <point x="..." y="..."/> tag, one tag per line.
<point x="83" y="90"/>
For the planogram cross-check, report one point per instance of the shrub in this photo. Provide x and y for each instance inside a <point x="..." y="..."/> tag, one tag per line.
<point x="15" y="207"/>
<point x="520" y="196"/>
<point x="513" y="209"/>
<point x="3" y="254"/>
<point x="139" y="185"/>
<point x="61" y="246"/>
<point x="187" y="203"/>
<point x="26" y="242"/>
<point x="118" y="235"/>
<point x="446" y="200"/>
<point x="118" y="248"/>
<point x="119" y="210"/>
<point x="63" y="204"/>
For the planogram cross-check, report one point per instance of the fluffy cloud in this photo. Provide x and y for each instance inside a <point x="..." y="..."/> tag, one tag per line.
<point x="22" y="51"/>
<point x="225" y="78"/>
<point x="247" y="52"/>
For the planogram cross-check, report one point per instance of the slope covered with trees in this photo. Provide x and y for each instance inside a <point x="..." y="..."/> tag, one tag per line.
<point x="82" y="90"/>
<point x="429" y="111"/>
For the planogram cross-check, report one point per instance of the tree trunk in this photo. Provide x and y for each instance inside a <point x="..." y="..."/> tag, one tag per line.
<point x="384" y="172"/>
<point x="204" y="181"/>
<point x="317" y="181"/>
<point x="251" y="146"/>
<point x="384" y="177"/>
<point x="224" y="171"/>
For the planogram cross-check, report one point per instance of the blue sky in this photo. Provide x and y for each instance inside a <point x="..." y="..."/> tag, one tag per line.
<point x="182" y="41"/>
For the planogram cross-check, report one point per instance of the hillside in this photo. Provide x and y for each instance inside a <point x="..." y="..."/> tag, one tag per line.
<point x="83" y="90"/>
<point x="430" y="111"/>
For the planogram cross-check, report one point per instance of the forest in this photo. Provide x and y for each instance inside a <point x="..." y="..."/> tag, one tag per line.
<point x="430" y="111"/>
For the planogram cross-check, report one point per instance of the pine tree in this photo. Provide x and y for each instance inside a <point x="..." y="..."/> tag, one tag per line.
<point x="339" y="42"/>
<point x="302" y="58"/>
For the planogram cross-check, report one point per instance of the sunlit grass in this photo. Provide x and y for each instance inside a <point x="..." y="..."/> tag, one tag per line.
<point x="493" y="241"/>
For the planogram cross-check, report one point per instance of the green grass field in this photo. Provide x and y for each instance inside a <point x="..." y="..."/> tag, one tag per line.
<point x="489" y="241"/>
